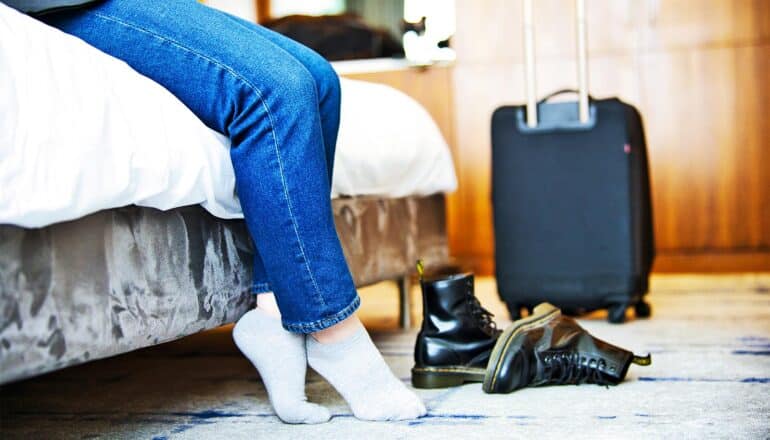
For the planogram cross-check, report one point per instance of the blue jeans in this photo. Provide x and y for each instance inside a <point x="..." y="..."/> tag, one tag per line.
<point x="279" y="104"/>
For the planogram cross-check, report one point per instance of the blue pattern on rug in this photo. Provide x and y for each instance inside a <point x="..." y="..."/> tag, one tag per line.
<point x="210" y="414"/>
<point x="704" y="379"/>
<point x="709" y="376"/>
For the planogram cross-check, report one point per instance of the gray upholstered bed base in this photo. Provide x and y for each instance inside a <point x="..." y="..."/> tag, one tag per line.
<point x="127" y="278"/>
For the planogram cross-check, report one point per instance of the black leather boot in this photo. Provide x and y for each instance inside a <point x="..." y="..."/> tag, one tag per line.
<point x="550" y="349"/>
<point x="456" y="337"/>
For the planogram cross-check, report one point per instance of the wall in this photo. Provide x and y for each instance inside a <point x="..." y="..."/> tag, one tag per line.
<point x="697" y="70"/>
<point x="246" y="9"/>
<point x="427" y="86"/>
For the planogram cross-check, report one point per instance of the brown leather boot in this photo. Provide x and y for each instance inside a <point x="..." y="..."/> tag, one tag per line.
<point x="550" y="349"/>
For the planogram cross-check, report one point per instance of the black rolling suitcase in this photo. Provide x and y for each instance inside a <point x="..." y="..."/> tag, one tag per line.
<point x="571" y="199"/>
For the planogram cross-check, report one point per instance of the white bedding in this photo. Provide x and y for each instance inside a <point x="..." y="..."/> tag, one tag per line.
<point x="81" y="131"/>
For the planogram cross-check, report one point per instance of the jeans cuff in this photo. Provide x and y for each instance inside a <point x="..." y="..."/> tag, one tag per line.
<point x="258" y="288"/>
<point x="314" y="326"/>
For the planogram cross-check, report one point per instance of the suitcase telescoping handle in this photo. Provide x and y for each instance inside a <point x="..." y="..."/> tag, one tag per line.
<point x="529" y="63"/>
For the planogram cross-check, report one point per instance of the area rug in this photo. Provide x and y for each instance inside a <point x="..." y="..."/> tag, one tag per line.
<point x="710" y="378"/>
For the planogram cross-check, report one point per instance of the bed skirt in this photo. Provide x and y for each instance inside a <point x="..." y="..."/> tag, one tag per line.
<point x="127" y="278"/>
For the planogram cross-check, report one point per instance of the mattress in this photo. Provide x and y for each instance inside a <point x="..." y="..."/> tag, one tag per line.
<point x="82" y="132"/>
<point x="127" y="278"/>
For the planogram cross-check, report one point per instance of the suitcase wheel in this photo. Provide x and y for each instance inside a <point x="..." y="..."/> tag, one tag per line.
<point x="617" y="313"/>
<point x="642" y="309"/>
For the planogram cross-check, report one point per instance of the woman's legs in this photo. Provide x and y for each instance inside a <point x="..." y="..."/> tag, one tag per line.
<point x="327" y="84"/>
<point x="269" y="104"/>
<point x="266" y="101"/>
<point x="328" y="92"/>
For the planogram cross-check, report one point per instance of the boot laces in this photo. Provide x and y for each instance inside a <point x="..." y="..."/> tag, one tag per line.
<point x="572" y="368"/>
<point x="481" y="316"/>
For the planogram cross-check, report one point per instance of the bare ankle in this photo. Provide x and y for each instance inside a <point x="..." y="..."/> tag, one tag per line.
<point x="266" y="302"/>
<point x="339" y="331"/>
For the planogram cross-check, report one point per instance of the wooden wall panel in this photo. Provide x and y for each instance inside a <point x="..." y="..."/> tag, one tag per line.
<point x="263" y="10"/>
<point x="489" y="31"/>
<point x="709" y="147"/>
<point x="683" y="24"/>
<point x="698" y="71"/>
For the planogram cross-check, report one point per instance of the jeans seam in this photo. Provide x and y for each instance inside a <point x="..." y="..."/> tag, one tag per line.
<point x="272" y="131"/>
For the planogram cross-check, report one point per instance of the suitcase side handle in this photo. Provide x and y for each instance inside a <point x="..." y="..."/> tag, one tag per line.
<point x="529" y="63"/>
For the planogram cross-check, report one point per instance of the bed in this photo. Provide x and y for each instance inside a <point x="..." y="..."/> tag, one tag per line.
<point x="128" y="233"/>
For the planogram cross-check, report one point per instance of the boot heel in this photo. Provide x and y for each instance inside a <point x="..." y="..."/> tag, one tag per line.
<point x="428" y="379"/>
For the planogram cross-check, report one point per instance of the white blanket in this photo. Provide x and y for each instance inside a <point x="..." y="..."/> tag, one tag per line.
<point x="81" y="131"/>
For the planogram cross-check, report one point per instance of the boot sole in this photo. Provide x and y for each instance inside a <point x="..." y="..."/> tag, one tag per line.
<point x="445" y="377"/>
<point x="542" y="312"/>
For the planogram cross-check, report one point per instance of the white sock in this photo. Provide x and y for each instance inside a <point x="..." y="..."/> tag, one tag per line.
<point x="358" y="372"/>
<point x="280" y="358"/>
